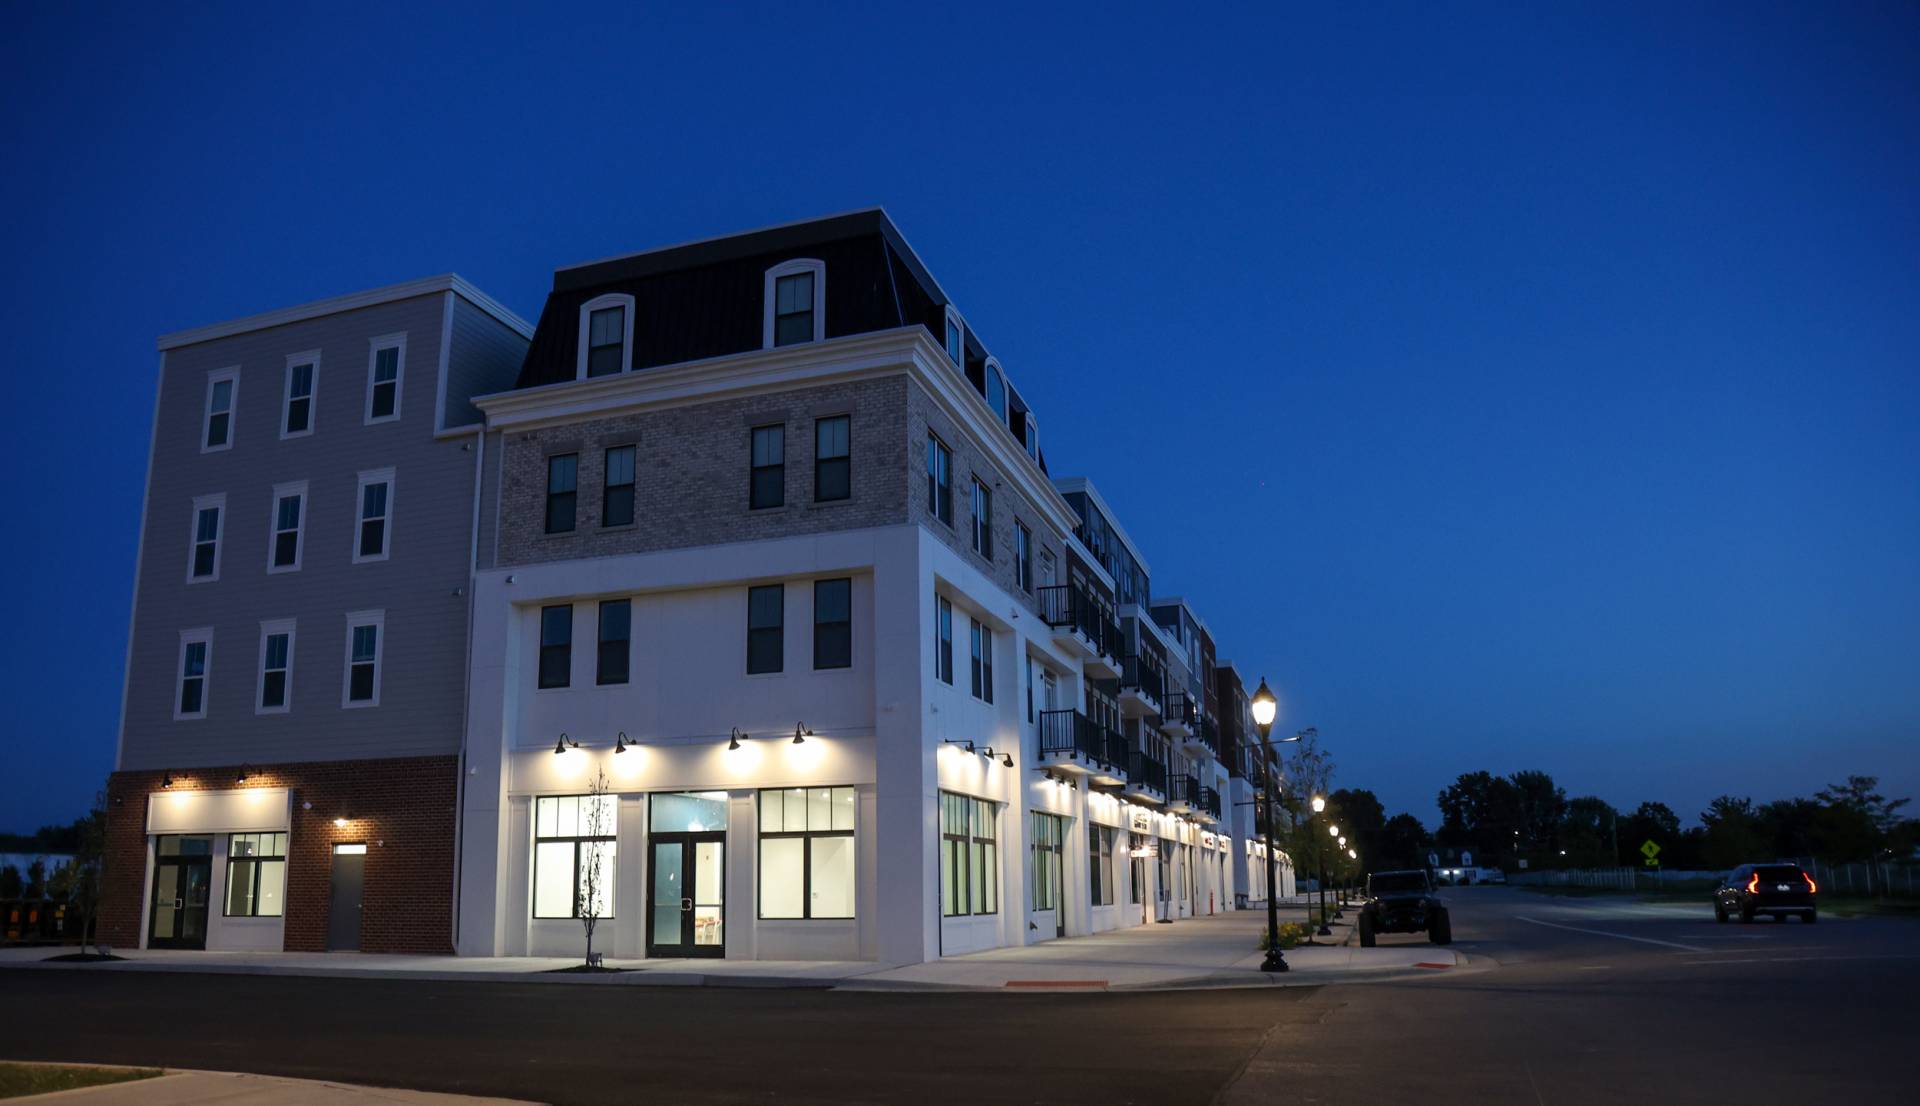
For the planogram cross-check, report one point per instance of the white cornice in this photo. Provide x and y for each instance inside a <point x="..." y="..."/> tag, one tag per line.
<point x="1082" y="484"/>
<point x="909" y="350"/>
<point x="425" y="286"/>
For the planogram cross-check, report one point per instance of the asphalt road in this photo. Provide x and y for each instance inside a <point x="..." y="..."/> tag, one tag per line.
<point x="1565" y="1001"/>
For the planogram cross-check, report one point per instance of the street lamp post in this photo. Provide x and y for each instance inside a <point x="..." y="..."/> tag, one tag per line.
<point x="1265" y="707"/>
<point x="1320" y="859"/>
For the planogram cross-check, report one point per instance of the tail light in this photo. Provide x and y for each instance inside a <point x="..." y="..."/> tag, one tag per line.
<point x="1812" y="887"/>
<point x="1753" y="884"/>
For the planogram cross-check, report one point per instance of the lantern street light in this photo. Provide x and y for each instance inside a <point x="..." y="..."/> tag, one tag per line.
<point x="1265" y="709"/>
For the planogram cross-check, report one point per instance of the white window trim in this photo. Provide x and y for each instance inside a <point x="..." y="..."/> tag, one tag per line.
<point x="374" y="476"/>
<point x="953" y="317"/>
<point x="281" y="491"/>
<point x="378" y="620"/>
<point x="230" y="373"/>
<point x="1005" y="414"/>
<point x="611" y="299"/>
<point x="201" y="503"/>
<point x="1032" y="445"/>
<point x="268" y="628"/>
<point x="189" y="637"/>
<point x="374" y="346"/>
<point x="789" y="268"/>
<point x="310" y="357"/>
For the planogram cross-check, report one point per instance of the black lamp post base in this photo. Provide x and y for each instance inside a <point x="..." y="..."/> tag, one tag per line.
<point x="1274" y="962"/>
<point x="1324" y="931"/>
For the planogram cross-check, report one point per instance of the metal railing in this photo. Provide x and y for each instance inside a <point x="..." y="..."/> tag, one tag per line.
<point x="1138" y="675"/>
<point x="1178" y="710"/>
<point x="1210" y="802"/>
<point x="1147" y="771"/>
<point x="1118" y="749"/>
<point x="1070" y="733"/>
<point x="1184" y="789"/>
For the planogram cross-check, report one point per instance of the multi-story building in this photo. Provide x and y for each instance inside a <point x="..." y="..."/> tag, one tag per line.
<point x="769" y="636"/>
<point x="288" y="761"/>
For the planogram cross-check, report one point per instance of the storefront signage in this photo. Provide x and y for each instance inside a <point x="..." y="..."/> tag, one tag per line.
<point x="1142" y="821"/>
<point x="1145" y="851"/>
<point x="1207" y="840"/>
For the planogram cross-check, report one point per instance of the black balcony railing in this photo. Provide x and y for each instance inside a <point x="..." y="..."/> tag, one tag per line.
<point x="1112" y="645"/>
<point x="1185" y="789"/>
<point x="1070" y="734"/>
<point x="1118" y="749"/>
<point x="1178" y="710"/>
<point x="1137" y="674"/>
<point x="1148" y="771"/>
<point x="1210" y="802"/>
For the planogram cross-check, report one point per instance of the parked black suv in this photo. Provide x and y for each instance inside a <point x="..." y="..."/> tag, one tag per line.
<point x="1403" y="902"/>
<point x="1778" y="889"/>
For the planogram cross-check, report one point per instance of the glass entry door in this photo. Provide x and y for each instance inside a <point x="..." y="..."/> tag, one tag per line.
<point x="686" y="895"/>
<point x="182" y="882"/>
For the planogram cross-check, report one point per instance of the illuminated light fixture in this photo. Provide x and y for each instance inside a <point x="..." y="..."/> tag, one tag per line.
<point x="1005" y="758"/>
<point x="620" y="742"/>
<point x="1353" y="854"/>
<point x="1319" y="804"/>
<point x="733" y="739"/>
<point x="561" y="746"/>
<point x="166" y="778"/>
<point x="1333" y="831"/>
<point x="1265" y="707"/>
<point x="801" y="733"/>
<point x="967" y="745"/>
<point x="242" y="774"/>
<point x="340" y="822"/>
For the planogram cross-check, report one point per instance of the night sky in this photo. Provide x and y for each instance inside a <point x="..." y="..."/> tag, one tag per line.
<point x="1512" y="389"/>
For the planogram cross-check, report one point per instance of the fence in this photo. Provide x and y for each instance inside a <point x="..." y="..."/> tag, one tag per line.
<point x="1860" y="879"/>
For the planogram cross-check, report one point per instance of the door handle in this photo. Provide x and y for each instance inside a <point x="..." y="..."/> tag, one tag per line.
<point x="686" y="904"/>
<point x="179" y="903"/>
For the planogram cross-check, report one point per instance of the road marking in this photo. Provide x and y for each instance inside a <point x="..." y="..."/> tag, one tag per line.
<point x="1621" y="936"/>
<point x="1795" y="959"/>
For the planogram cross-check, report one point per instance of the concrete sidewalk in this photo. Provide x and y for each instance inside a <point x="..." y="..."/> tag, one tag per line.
<point x="1218" y="951"/>
<point x="180" y="1088"/>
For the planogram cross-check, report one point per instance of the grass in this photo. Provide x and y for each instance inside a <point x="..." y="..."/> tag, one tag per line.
<point x="25" y="1079"/>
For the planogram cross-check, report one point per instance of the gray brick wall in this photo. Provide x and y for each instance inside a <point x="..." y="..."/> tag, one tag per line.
<point x="691" y="473"/>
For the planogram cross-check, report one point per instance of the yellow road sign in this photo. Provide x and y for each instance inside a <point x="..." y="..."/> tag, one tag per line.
<point x="1649" y="850"/>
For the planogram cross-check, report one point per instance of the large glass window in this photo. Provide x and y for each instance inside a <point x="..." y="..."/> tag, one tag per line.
<point x="943" y="639"/>
<point x="939" y="480"/>
<point x="982" y="524"/>
<point x="1048" y="832"/>
<point x="806" y="852"/>
<point x="563" y="479"/>
<point x="969" y="856"/>
<point x="573" y="854"/>
<point x="1100" y="864"/>
<point x="276" y="665"/>
<point x="256" y="875"/>
<point x="556" y="646"/>
<point x="793" y="309"/>
<point x="616" y="498"/>
<point x="833" y="623"/>
<point x="193" y="675"/>
<point x="982" y="663"/>
<point x="363" y="659"/>
<point x="616" y="633"/>
<point x="767" y="482"/>
<point x="606" y="334"/>
<point x="832" y="466"/>
<point x="766" y="628"/>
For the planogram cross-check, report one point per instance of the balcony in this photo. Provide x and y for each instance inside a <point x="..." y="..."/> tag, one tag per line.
<point x="1178" y="718"/>
<point x="1112" y="768"/>
<point x="1183" y="797"/>
<point x="1142" y="687"/>
<point x="1198" y="741"/>
<point x="1070" y="741"/>
<point x="1105" y="663"/>
<point x="1209" y="809"/>
<point x="1146" y="777"/>
<point x="1082" y="628"/>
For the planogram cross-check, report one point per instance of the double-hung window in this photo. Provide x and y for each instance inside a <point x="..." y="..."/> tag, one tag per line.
<point x="1100" y="864"/>
<point x="256" y="875"/>
<point x="616" y="634"/>
<point x="606" y="336"/>
<point x="982" y="665"/>
<point x="767" y="482"/>
<point x="943" y="639"/>
<point x="616" y="497"/>
<point x="793" y="309"/>
<point x="1023" y="556"/>
<point x="366" y="633"/>
<point x="832" y="465"/>
<point x="939" y="480"/>
<point x="807" y="867"/>
<point x="556" y="646"/>
<point x="385" y="362"/>
<point x="563" y="480"/>
<point x="766" y="629"/>
<point x="373" y="532"/>
<point x="982" y="525"/>
<point x="196" y="661"/>
<point x="284" y="543"/>
<point x="303" y="372"/>
<point x="223" y="393"/>
<point x="573" y="855"/>
<point x="833" y="623"/>
<point x="203" y="552"/>
<point x="276" y="667"/>
<point x="969" y="856"/>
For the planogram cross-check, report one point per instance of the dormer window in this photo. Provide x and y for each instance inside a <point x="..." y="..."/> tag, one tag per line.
<point x="1033" y="437"/>
<point x="795" y="297"/>
<point x="956" y="339"/>
<point x="606" y="336"/>
<point x="997" y="392"/>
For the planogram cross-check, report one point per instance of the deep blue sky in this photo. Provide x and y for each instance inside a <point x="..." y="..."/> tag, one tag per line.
<point x="1514" y="389"/>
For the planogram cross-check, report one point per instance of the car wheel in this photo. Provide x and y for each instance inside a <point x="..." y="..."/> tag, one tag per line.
<point x="1440" y="930"/>
<point x="1366" y="932"/>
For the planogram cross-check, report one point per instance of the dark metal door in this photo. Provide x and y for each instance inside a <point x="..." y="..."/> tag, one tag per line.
<point x="686" y="895"/>
<point x="343" y="910"/>
<point x="180" y="891"/>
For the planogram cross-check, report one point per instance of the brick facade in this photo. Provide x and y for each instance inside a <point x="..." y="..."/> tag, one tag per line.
<point x="691" y="467"/>
<point x="402" y="808"/>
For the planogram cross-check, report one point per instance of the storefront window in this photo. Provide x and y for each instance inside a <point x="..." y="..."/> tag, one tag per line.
<point x="256" y="875"/>
<point x="573" y="853"/>
<point x="806" y="852"/>
<point x="969" y="856"/>
<point x="1048" y="830"/>
<point x="1100" y="864"/>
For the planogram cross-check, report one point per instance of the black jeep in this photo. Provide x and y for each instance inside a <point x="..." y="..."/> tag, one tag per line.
<point x="1403" y="902"/>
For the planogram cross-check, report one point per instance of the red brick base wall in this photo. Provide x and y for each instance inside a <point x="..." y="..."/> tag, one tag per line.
<point x="402" y="809"/>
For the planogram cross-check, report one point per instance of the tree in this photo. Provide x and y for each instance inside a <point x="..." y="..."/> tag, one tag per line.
<point x="1539" y="807"/>
<point x="1858" y="794"/>
<point x="1655" y="822"/>
<point x="1309" y="773"/>
<point x="1362" y="820"/>
<point x="1403" y="844"/>
<point x="597" y="821"/>
<point x="10" y="882"/>
<point x="1787" y="827"/>
<point x="1481" y="811"/>
<point x="1733" y="833"/>
<point x="1587" y="833"/>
